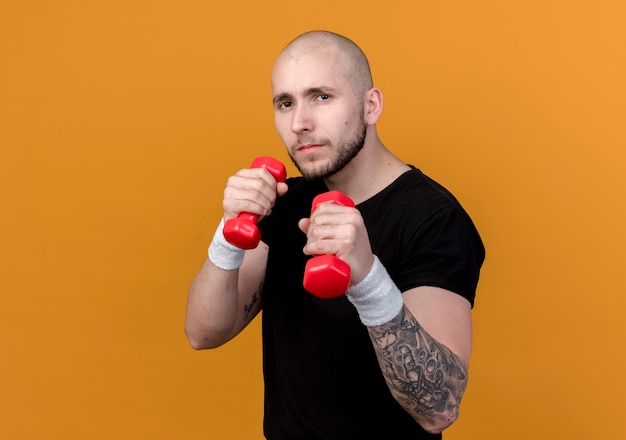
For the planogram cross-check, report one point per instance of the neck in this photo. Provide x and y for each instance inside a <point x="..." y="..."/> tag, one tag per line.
<point x="371" y="171"/>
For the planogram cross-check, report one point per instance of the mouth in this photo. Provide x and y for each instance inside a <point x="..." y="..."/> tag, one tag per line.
<point x="309" y="148"/>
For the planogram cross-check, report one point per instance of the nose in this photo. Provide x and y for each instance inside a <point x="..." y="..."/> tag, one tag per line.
<point x="302" y="119"/>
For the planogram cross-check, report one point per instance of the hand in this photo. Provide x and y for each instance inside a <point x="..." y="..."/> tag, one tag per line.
<point x="339" y="230"/>
<point x="252" y="190"/>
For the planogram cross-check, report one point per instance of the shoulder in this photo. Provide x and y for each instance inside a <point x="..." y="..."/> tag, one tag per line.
<point x="412" y="195"/>
<point x="424" y="236"/>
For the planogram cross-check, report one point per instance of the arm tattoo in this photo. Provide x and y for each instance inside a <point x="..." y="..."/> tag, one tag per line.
<point x="249" y="308"/>
<point x="424" y="376"/>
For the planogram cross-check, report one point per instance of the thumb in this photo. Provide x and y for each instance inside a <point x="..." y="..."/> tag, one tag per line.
<point x="281" y="188"/>
<point x="303" y="224"/>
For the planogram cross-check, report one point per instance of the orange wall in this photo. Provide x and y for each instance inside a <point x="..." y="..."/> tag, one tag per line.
<point x="120" y="121"/>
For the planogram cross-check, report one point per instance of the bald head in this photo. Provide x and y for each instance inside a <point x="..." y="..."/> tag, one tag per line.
<point x="353" y="64"/>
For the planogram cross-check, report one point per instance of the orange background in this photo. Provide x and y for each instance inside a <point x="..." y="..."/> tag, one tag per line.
<point x="121" y="120"/>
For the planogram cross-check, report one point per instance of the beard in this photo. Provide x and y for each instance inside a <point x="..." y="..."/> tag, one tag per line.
<point x="346" y="151"/>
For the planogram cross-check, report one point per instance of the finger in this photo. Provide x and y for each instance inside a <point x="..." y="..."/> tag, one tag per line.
<point x="246" y="192"/>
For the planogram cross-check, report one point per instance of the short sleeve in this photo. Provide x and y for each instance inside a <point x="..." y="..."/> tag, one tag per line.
<point x="444" y="251"/>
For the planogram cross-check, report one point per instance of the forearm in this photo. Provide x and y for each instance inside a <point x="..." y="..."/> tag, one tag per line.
<point x="423" y="375"/>
<point x="212" y="307"/>
<point x="225" y="294"/>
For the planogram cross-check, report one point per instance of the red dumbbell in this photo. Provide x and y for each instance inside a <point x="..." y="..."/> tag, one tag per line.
<point x="242" y="231"/>
<point x="327" y="276"/>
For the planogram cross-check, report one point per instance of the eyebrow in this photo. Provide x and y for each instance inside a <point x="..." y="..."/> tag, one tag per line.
<point x="308" y="92"/>
<point x="281" y="97"/>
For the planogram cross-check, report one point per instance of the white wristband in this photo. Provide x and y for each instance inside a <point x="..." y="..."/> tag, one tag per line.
<point x="223" y="254"/>
<point x="376" y="298"/>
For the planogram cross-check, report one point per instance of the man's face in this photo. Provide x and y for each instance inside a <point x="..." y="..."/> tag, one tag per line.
<point x="317" y="114"/>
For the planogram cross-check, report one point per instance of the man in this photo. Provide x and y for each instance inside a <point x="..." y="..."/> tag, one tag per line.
<point x="390" y="358"/>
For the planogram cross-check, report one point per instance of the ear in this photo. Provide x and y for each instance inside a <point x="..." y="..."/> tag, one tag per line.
<point x="373" y="103"/>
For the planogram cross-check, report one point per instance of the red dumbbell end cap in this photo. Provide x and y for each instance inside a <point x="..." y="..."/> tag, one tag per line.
<point x="242" y="233"/>
<point x="326" y="276"/>
<point x="274" y="166"/>
<point x="334" y="197"/>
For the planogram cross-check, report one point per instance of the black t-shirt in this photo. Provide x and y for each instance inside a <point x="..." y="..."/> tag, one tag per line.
<point x="322" y="379"/>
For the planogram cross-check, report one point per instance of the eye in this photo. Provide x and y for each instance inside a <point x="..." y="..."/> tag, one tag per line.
<point x="284" y="104"/>
<point x="323" y="97"/>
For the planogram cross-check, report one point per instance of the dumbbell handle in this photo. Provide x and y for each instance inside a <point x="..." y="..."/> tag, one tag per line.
<point x="242" y="230"/>
<point x="327" y="276"/>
